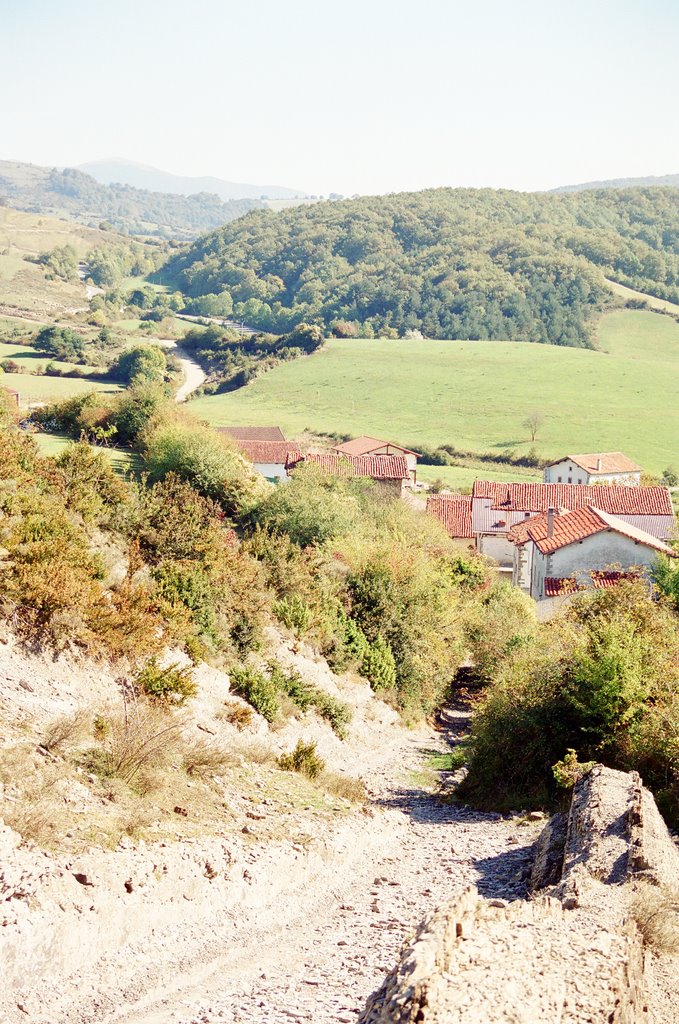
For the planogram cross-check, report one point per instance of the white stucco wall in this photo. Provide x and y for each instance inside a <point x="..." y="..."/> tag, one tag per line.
<point x="497" y="547"/>
<point x="566" y="472"/>
<point x="605" y="550"/>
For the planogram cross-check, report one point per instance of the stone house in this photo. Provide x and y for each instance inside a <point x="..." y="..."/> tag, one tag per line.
<point x="561" y="547"/>
<point x="595" y="468"/>
<point x="366" y="445"/>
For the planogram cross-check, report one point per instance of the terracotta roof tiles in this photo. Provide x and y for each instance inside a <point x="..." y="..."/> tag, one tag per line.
<point x="365" y="444"/>
<point x="375" y="467"/>
<point x="573" y="527"/>
<point x="602" y="462"/>
<point x="512" y="497"/>
<point x="454" y="511"/>
<point x="270" y="452"/>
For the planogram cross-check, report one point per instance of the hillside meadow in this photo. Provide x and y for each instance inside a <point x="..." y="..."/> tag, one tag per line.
<point x="476" y="395"/>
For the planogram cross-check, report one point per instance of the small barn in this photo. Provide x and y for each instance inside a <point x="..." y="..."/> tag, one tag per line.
<point x="366" y="445"/>
<point x="270" y="458"/>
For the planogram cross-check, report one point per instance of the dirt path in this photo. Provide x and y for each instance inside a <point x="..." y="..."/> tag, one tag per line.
<point x="194" y="375"/>
<point x="319" y="955"/>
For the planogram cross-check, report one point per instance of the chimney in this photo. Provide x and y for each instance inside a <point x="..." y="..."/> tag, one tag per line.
<point x="550" y="521"/>
<point x="599" y="465"/>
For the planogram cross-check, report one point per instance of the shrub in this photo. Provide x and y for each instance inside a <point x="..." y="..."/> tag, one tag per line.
<point x="64" y="729"/>
<point x="139" y="740"/>
<point x="378" y="665"/>
<point x="303" y="759"/>
<point x="142" y="364"/>
<point x="305" y="695"/>
<point x="257" y="689"/>
<point x="294" y="613"/>
<point x="238" y="715"/>
<point x="172" y="685"/>
<point x="206" y="758"/>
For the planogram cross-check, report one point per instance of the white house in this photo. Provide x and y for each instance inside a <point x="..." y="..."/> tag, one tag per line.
<point x="497" y="507"/>
<point x="270" y="458"/>
<point x="595" y="468"/>
<point x="560" y="546"/>
<point x="366" y="445"/>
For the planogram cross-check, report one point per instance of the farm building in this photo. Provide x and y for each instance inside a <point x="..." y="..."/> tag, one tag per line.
<point x="497" y="507"/>
<point x="560" y="548"/>
<point x="390" y="471"/>
<point x="253" y="433"/>
<point x="595" y="468"/>
<point x="270" y="458"/>
<point x="366" y="445"/>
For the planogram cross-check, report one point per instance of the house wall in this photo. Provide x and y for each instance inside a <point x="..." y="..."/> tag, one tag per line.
<point x="601" y="551"/>
<point x="496" y="546"/>
<point x="566" y="472"/>
<point x="522" y="567"/>
<point x="271" y="470"/>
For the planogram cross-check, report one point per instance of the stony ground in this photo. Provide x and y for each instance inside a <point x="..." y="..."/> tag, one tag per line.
<point x="325" y="956"/>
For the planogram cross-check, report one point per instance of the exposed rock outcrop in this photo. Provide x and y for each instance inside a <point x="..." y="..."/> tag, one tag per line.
<point x="570" y="954"/>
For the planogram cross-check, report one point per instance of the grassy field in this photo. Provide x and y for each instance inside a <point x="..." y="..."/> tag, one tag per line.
<point x="50" y="389"/>
<point x="623" y="292"/>
<point x="476" y="395"/>
<point x="30" y="358"/>
<point x="460" y="477"/>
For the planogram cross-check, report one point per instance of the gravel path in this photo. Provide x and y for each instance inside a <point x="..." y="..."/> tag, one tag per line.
<point x="330" y="952"/>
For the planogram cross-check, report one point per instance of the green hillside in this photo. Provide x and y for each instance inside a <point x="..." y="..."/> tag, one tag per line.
<point x="450" y="263"/>
<point x="475" y="395"/>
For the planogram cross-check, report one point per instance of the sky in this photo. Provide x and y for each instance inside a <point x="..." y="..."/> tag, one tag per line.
<point x="360" y="96"/>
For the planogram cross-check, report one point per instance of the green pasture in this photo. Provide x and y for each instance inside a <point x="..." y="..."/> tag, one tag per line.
<point x="463" y="476"/>
<point x="30" y="358"/>
<point x="51" y="389"/>
<point x="476" y="395"/>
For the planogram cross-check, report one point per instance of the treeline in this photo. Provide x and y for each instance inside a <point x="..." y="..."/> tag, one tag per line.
<point x="450" y="263"/>
<point x="133" y="211"/>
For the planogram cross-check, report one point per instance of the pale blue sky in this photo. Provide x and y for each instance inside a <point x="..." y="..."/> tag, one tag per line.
<point x="361" y="96"/>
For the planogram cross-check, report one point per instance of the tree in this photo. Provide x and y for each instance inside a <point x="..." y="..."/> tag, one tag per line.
<point x="533" y="422"/>
<point x="143" y="364"/>
<point x="61" y="343"/>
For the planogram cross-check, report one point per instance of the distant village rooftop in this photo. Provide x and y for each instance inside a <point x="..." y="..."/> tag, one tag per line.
<point x="454" y="511"/>
<point x="602" y="462"/>
<point x="512" y="497"/>
<point x="269" y="452"/>
<point x="375" y="467"/>
<point x="365" y="444"/>
<point x="253" y="433"/>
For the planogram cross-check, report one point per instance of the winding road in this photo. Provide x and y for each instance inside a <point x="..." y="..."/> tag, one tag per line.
<point x="194" y="375"/>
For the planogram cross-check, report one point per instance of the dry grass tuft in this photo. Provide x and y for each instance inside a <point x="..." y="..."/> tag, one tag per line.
<point x="656" y="912"/>
<point x="205" y="758"/>
<point x="66" y="729"/>
<point x="239" y="715"/>
<point x="344" y="786"/>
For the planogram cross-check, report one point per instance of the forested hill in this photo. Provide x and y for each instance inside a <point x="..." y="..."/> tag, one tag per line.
<point x="70" y="193"/>
<point x="662" y="179"/>
<point x="452" y="263"/>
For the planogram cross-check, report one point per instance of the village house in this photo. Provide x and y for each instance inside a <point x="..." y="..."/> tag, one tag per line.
<point x="595" y="468"/>
<point x="270" y="458"/>
<point x="389" y="471"/>
<point x="497" y="507"/>
<point x="560" y="549"/>
<point x="366" y="445"/>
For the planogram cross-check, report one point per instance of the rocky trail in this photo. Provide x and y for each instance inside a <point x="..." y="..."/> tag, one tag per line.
<point x="318" y="956"/>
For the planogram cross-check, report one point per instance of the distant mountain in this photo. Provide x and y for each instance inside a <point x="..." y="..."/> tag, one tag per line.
<point x="70" y="193"/>
<point x="671" y="180"/>
<point x="125" y="172"/>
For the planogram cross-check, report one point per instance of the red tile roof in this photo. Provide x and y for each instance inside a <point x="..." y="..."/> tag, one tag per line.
<point x="558" y="586"/>
<point x="365" y="445"/>
<point x="602" y="462"/>
<point x="271" y="452"/>
<point x="376" y="467"/>
<point x="454" y="511"/>
<point x="572" y="527"/>
<point x="633" y="501"/>
<point x="253" y="433"/>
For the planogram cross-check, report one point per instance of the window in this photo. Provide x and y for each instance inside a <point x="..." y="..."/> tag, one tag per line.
<point x="558" y="479"/>
<point x="570" y="479"/>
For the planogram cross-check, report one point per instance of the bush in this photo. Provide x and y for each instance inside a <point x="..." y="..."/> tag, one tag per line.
<point x="378" y="665"/>
<point x="656" y="912"/>
<point x="173" y="685"/>
<point x="137" y="741"/>
<point x="142" y="364"/>
<point x="303" y="759"/>
<point x="257" y="689"/>
<point x="293" y="613"/>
